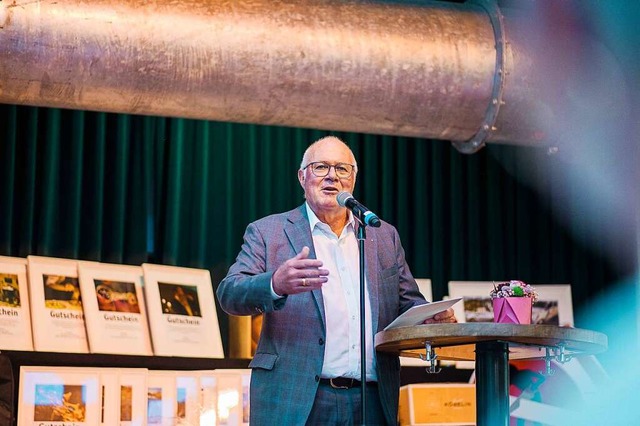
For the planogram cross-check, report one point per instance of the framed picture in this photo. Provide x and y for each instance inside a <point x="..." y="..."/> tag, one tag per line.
<point x="109" y="396"/>
<point x="60" y="395"/>
<point x="132" y="396"/>
<point x="246" y="400"/>
<point x="15" y="315"/>
<point x="11" y="259"/>
<point x="114" y="309"/>
<point x="161" y="398"/>
<point x="233" y="396"/>
<point x="208" y="383"/>
<point x="187" y="398"/>
<point x="554" y="305"/>
<point x="182" y="312"/>
<point x="56" y="305"/>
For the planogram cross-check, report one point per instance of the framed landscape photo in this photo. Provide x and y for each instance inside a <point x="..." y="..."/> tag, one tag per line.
<point x="476" y="303"/>
<point x="58" y="396"/>
<point x="161" y="398"/>
<point x="56" y="305"/>
<point x="554" y="305"/>
<point x="182" y="312"/>
<point x="15" y="315"/>
<point x="187" y="398"/>
<point x="114" y="309"/>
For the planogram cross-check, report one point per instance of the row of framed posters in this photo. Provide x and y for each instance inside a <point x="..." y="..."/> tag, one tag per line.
<point x="64" y="305"/>
<point x="132" y="397"/>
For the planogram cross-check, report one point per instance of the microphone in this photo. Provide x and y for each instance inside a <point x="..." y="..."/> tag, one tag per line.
<point x="363" y="214"/>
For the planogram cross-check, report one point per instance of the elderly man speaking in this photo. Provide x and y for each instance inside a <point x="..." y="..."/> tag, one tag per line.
<point x="300" y="270"/>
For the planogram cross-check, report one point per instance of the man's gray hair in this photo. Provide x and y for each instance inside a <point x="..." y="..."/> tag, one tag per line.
<point x="305" y="156"/>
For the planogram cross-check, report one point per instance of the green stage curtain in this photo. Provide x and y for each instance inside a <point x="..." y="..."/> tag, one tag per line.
<point x="133" y="189"/>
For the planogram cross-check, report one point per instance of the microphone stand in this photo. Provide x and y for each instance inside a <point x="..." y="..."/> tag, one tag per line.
<point x="362" y="236"/>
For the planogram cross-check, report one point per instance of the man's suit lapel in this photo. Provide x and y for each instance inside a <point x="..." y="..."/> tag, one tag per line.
<point x="298" y="233"/>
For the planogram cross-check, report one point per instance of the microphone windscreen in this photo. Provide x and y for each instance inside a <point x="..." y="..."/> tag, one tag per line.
<point x="343" y="197"/>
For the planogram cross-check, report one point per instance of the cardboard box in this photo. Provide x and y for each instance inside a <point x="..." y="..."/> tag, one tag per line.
<point x="438" y="404"/>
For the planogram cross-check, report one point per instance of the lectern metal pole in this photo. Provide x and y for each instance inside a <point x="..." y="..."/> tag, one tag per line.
<point x="492" y="383"/>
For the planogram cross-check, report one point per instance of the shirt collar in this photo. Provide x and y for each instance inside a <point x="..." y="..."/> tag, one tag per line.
<point x="313" y="219"/>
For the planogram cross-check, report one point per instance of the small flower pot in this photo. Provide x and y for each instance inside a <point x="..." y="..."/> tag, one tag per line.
<point x="512" y="310"/>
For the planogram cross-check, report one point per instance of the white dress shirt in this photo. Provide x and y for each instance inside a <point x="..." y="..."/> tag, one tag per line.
<point x="341" y="295"/>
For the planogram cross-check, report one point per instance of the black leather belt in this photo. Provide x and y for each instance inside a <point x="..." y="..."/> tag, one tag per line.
<point x="345" y="383"/>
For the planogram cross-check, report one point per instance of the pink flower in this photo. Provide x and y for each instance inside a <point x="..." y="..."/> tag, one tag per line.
<point x="513" y="288"/>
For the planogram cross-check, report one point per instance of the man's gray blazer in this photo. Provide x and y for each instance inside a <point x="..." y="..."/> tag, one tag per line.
<point x="287" y="364"/>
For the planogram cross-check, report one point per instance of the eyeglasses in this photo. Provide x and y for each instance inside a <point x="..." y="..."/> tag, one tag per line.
<point x="322" y="169"/>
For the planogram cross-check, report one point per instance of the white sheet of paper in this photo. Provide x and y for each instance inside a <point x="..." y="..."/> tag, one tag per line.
<point x="417" y="314"/>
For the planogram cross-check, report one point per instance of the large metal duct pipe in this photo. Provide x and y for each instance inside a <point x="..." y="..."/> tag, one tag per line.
<point x="460" y="72"/>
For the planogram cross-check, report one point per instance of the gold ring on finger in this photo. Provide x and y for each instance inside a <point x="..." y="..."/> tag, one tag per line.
<point x="304" y="282"/>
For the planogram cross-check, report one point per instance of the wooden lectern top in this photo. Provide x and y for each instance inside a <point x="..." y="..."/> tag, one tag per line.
<point x="457" y="341"/>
